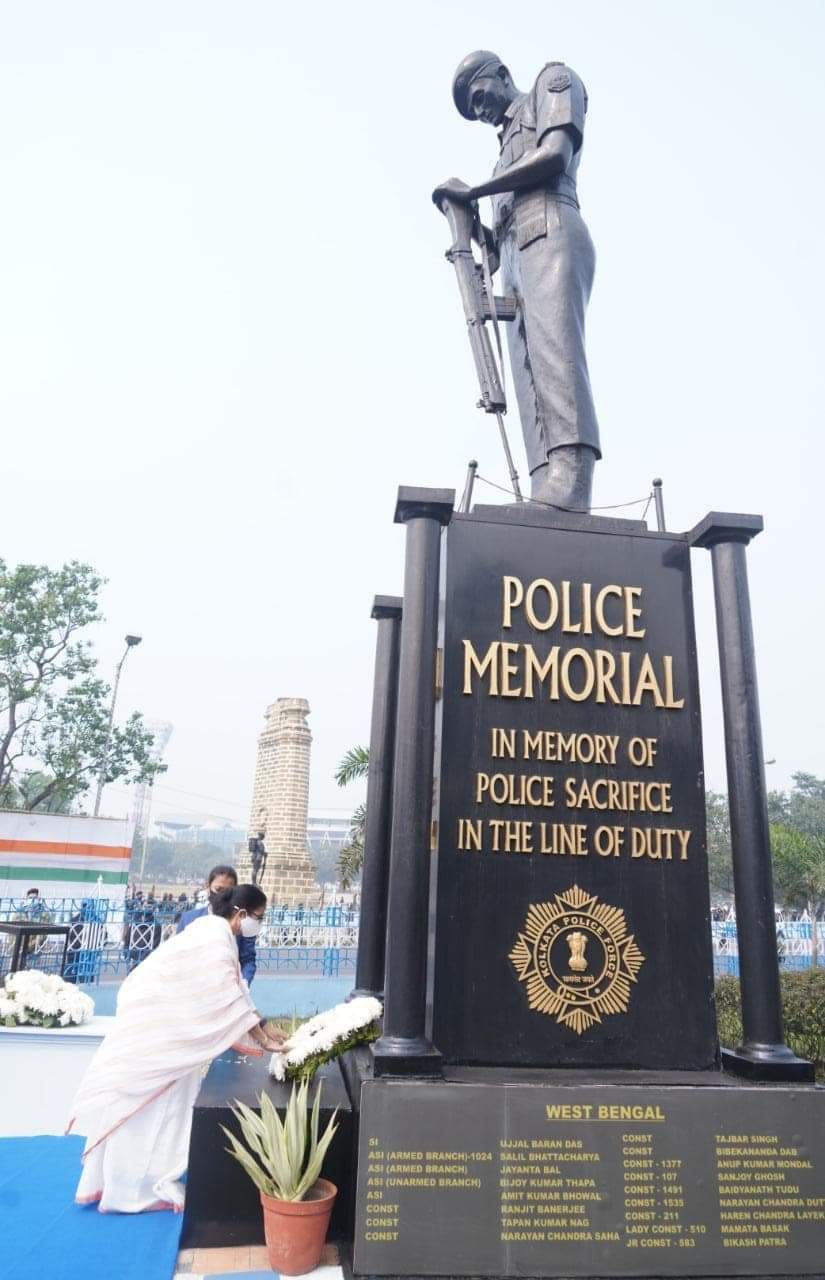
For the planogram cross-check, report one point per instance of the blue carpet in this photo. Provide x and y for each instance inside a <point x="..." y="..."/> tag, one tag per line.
<point x="46" y="1236"/>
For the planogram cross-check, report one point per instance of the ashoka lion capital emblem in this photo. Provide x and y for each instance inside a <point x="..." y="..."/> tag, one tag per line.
<point x="577" y="959"/>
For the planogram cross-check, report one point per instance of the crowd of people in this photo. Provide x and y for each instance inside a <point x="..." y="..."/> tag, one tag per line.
<point x="167" y="905"/>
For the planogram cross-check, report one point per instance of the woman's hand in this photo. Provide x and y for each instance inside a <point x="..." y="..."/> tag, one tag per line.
<point x="268" y="1037"/>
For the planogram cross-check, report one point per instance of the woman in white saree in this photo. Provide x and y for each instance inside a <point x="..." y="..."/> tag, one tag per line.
<point x="182" y="1007"/>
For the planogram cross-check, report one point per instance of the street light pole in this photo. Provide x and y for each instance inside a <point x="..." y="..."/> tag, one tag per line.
<point x="146" y="834"/>
<point x="131" y="642"/>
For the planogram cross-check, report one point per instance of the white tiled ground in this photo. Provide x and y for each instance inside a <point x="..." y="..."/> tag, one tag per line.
<point x="249" y="1261"/>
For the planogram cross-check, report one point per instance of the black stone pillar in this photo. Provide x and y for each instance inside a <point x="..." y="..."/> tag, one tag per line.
<point x="404" y="1048"/>
<point x="372" y="934"/>
<point x="763" y="1054"/>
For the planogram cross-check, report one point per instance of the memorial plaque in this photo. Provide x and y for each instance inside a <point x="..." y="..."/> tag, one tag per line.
<point x="573" y="916"/>
<point x="600" y="1180"/>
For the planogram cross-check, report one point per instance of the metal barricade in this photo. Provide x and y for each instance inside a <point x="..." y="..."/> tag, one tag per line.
<point x="794" y="946"/>
<point x="108" y="937"/>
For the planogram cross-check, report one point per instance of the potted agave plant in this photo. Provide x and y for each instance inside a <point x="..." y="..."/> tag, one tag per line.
<point x="284" y="1159"/>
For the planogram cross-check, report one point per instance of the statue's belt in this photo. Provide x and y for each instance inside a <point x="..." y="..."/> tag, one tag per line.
<point x="508" y="212"/>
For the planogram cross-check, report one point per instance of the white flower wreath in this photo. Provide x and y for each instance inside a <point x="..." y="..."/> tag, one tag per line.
<point x="325" y="1036"/>
<point x="32" y="998"/>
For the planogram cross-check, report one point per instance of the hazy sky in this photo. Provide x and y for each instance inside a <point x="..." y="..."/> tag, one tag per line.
<point x="228" y="332"/>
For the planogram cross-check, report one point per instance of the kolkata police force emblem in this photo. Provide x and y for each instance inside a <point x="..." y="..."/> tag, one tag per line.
<point x="577" y="959"/>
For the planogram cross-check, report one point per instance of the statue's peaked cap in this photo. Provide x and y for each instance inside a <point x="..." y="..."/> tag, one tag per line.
<point x="468" y="69"/>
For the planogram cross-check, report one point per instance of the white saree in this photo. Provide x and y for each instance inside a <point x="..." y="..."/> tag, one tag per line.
<point x="182" y="1007"/>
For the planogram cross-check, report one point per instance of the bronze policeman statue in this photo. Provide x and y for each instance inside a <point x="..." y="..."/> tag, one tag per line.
<point x="257" y="850"/>
<point x="546" y="259"/>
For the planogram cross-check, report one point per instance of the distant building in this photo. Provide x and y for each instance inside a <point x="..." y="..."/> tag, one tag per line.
<point x="205" y="830"/>
<point x="328" y="830"/>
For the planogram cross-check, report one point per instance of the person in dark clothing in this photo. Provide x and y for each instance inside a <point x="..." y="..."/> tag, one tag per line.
<point x="219" y="879"/>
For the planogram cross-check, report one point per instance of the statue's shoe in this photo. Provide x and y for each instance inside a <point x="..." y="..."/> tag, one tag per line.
<point x="566" y="481"/>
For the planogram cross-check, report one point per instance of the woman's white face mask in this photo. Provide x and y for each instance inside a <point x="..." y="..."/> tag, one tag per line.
<point x="250" y="927"/>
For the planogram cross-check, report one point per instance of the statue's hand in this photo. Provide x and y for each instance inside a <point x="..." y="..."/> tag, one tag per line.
<point x="492" y="249"/>
<point x="453" y="189"/>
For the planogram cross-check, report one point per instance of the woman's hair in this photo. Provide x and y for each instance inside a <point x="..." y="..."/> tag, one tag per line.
<point x="244" y="897"/>
<point x="222" y="870"/>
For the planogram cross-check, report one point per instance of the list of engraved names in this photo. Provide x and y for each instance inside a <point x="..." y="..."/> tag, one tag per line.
<point x="629" y="1182"/>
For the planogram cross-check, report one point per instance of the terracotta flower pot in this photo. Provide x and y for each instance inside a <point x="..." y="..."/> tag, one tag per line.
<point x="295" y="1230"/>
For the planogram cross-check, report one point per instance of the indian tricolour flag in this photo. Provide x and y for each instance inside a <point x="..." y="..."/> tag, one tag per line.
<point x="63" y="856"/>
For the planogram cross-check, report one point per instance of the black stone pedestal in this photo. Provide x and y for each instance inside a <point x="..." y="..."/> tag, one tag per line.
<point x="222" y="1205"/>
<point x="537" y="1173"/>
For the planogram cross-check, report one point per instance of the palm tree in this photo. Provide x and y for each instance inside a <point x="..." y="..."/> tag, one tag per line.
<point x="354" y="765"/>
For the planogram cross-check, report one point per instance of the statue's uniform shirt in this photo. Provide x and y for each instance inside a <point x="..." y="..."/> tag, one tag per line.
<point x="547" y="263"/>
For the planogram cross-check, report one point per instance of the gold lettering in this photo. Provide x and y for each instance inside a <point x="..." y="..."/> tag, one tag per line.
<point x="566" y="624"/>
<point x="605" y="670"/>
<point x="569" y="838"/>
<point x="630" y="613"/>
<point x="671" y="702"/>
<point x="659" y="843"/>
<point x="508" y="669"/>
<point x="550" y="667"/>
<point x="489" y="663"/>
<point x="542" y="624"/>
<point x="624" y="659"/>
<point x="627" y="795"/>
<point x="469" y="833"/>
<point x="587" y="619"/>
<point x="584" y="693"/>
<point x="647" y="683"/>
<point x="516" y="790"/>
<point x="503" y="744"/>
<point x="513" y="670"/>
<point x="608" y="841"/>
<point x="513" y="596"/>
<point x="518" y="837"/>
<point x="543" y="607"/>
<point x="601" y="621"/>
<point x="563" y="838"/>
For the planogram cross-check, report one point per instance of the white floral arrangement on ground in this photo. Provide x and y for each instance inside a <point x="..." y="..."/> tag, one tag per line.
<point x="35" y="999"/>
<point x="326" y="1036"/>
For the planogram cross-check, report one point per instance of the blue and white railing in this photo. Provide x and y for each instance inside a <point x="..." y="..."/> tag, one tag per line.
<point x="107" y="938"/>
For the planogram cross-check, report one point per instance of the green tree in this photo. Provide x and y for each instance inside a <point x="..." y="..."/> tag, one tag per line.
<point x="798" y="848"/>
<point x="808" y="787"/>
<point x="353" y="766"/>
<point x="720" y="864"/>
<point x="30" y="785"/>
<point x="799" y="869"/>
<point x="778" y="806"/>
<point x="167" y="861"/>
<point x="54" y="708"/>
<point x="325" y="862"/>
<point x="160" y="856"/>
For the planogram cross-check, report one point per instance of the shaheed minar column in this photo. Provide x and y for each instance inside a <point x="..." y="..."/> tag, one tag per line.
<point x="280" y="799"/>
